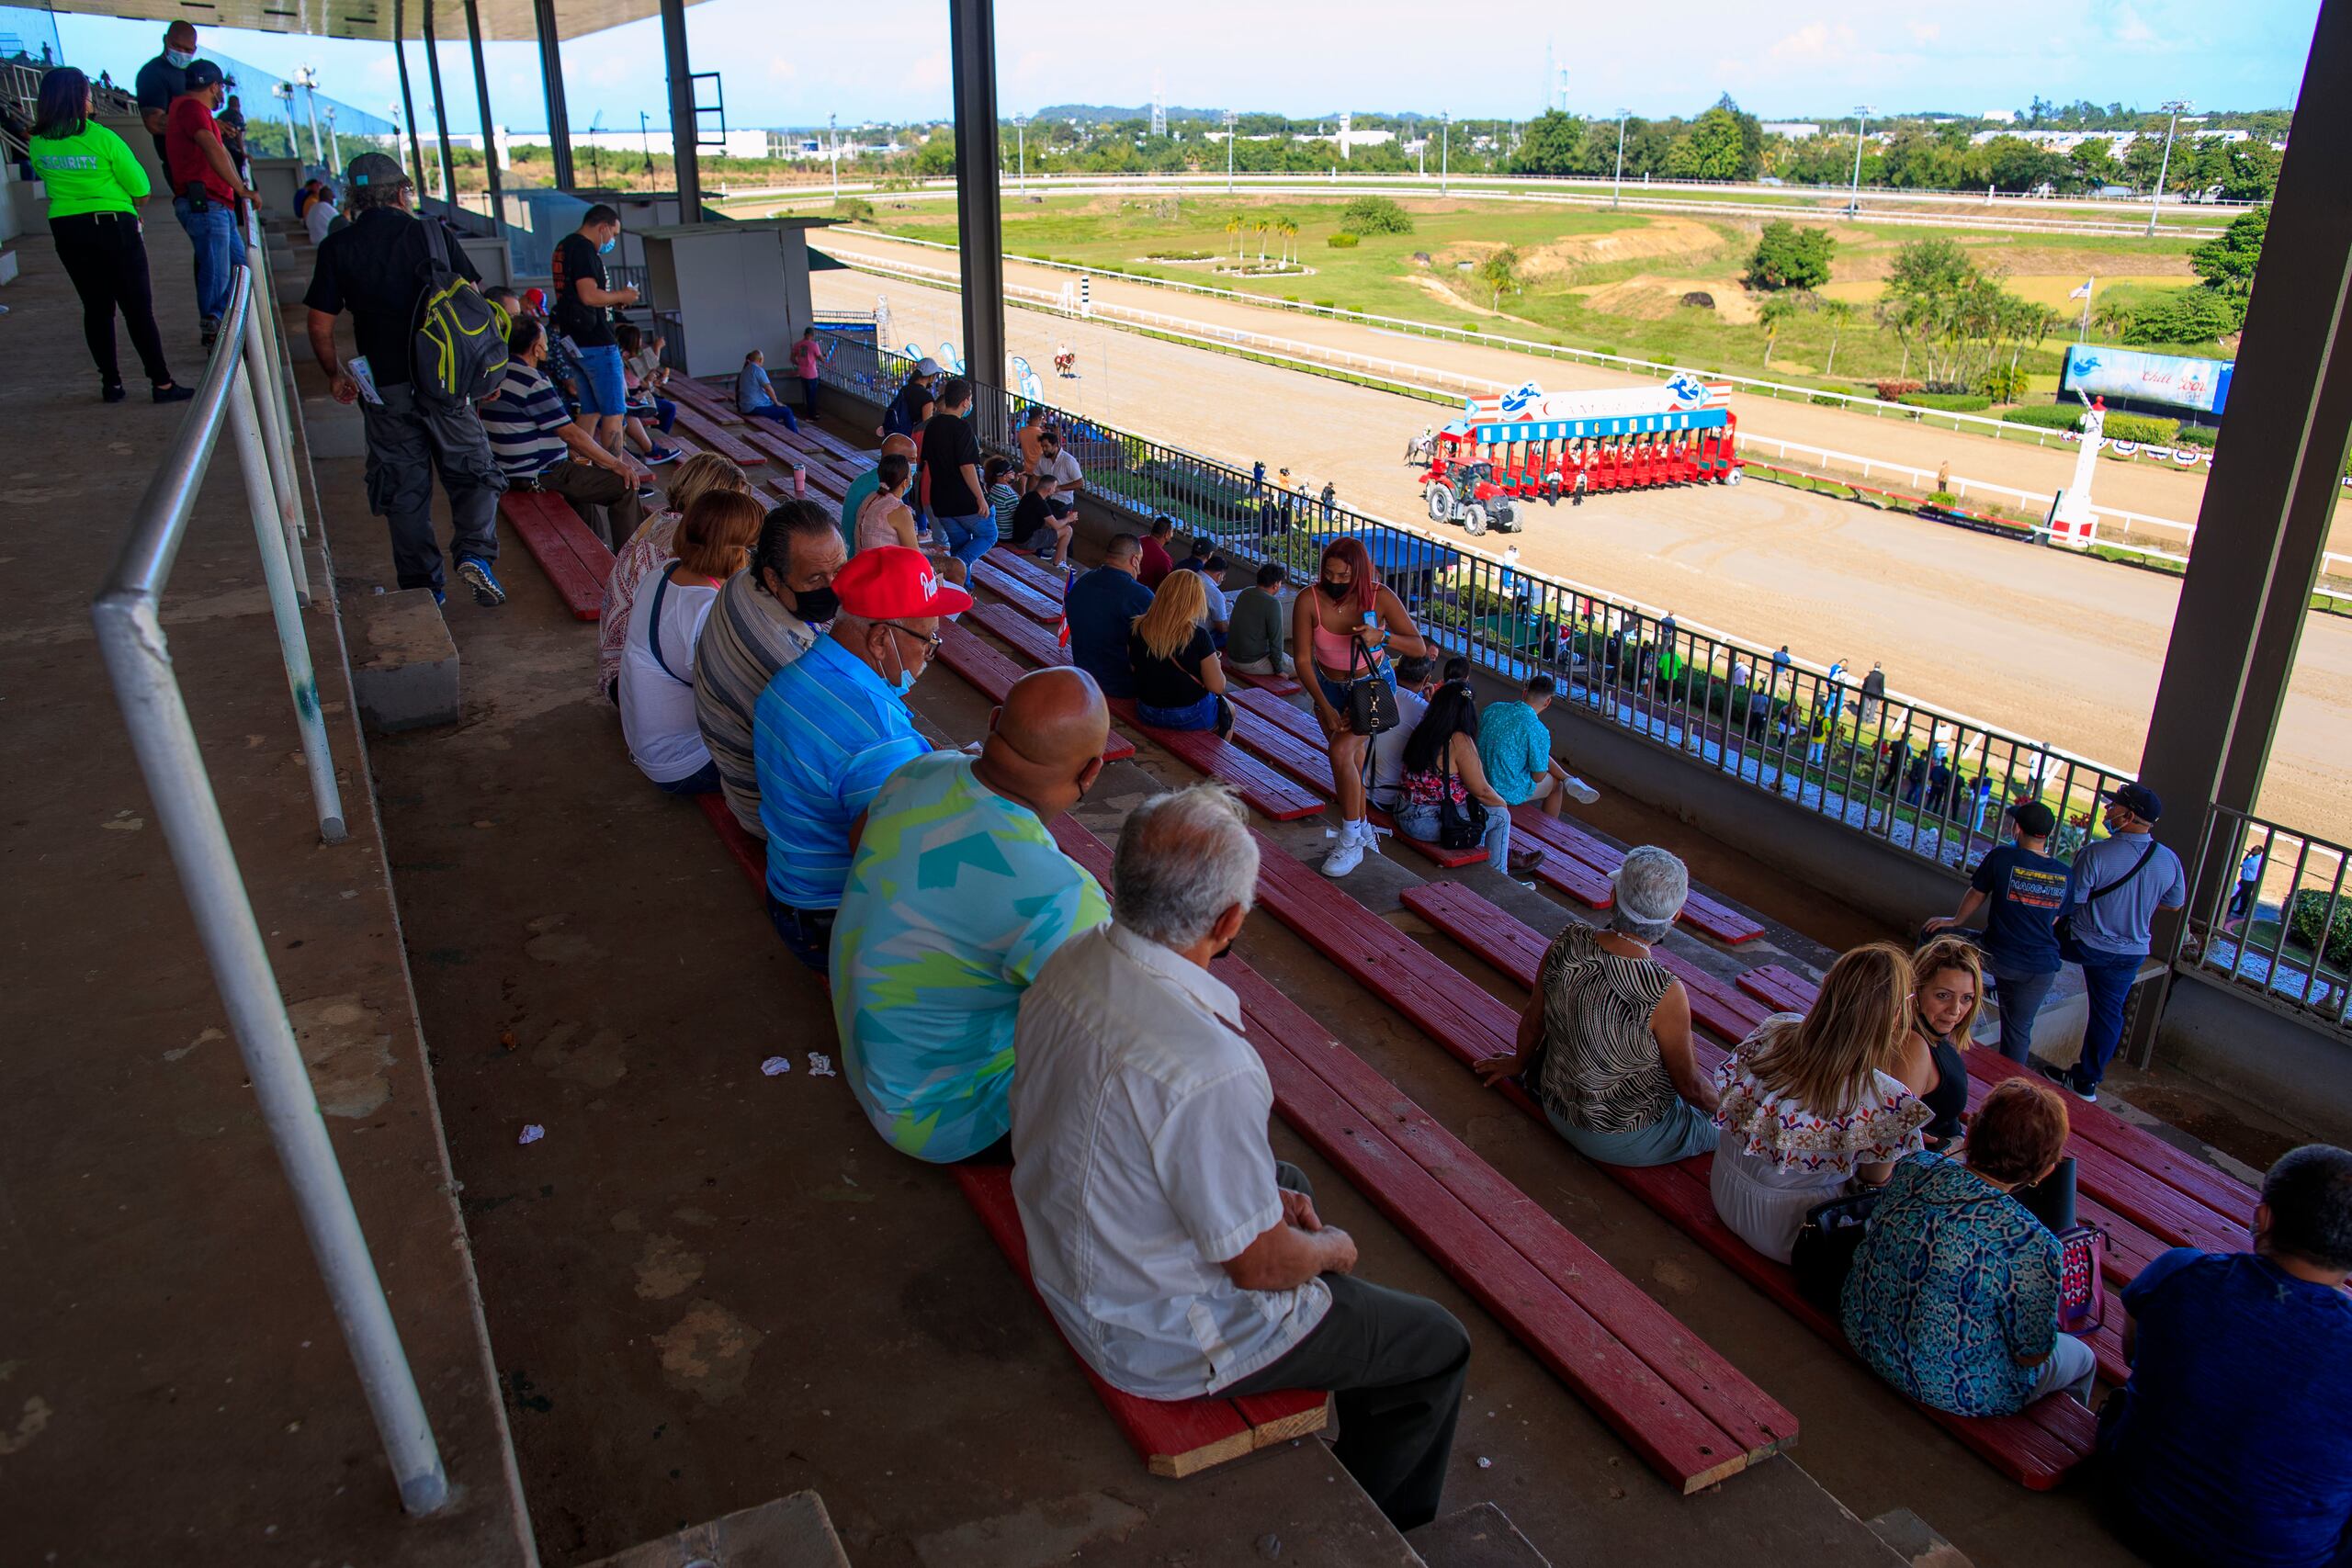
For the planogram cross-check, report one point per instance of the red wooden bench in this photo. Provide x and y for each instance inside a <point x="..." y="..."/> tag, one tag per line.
<point x="991" y="674"/>
<point x="1265" y="790"/>
<point x="717" y="438"/>
<point x="575" y="561"/>
<point x="1564" y="836"/>
<point x="2037" y="1449"/>
<point x="717" y="401"/>
<point x="1694" y="1418"/>
<point x="825" y="479"/>
<point x="1016" y="593"/>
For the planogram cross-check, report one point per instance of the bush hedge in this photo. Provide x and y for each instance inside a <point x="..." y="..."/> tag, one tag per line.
<point x="2142" y="427"/>
<point x="2196" y="435"/>
<point x="1894" y="390"/>
<point x="1374" y="215"/>
<point x="1343" y="240"/>
<point x="1950" y="402"/>
<point x="2306" y="910"/>
<point x="2046" y="416"/>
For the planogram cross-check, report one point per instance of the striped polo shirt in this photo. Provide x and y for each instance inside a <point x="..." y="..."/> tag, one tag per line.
<point x="523" y="421"/>
<point x="749" y="636"/>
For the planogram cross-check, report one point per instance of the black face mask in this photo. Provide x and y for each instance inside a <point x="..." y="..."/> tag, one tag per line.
<point x="1334" y="591"/>
<point x="817" y="607"/>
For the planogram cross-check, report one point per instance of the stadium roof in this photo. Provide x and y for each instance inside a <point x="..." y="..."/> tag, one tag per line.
<point x="502" y="20"/>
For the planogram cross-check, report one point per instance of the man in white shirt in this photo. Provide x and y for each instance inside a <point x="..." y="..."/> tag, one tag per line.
<point x="1178" y="1257"/>
<point x="1056" y="463"/>
<point x="321" y="213"/>
<point x="1417" y="679"/>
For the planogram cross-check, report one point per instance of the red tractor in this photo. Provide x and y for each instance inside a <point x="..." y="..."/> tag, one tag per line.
<point x="1455" y="491"/>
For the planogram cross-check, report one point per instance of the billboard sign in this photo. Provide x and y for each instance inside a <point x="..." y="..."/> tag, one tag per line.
<point x="2098" y="371"/>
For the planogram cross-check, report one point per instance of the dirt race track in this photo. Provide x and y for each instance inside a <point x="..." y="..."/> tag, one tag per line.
<point x="2059" y="649"/>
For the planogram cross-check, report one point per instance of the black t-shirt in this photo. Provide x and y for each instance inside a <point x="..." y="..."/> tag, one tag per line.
<point x="1030" y="517"/>
<point x="375" y="269"/>
<point x="158" y="83"/>
<point x="905" y="414"/>
<point x="588" y="326"/>
<point x="1170" y="683"/>
<point x="947" y="444"/>
<point x="2023" y="892"/>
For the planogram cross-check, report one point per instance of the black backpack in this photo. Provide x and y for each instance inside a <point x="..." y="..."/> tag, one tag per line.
<point x="459" y="350"/>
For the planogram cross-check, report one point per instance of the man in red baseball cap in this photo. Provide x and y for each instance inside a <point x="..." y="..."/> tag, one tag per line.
<point x="832" y="726"/>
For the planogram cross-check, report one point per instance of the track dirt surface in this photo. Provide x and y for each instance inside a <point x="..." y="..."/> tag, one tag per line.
<point x="2057" y="647"/>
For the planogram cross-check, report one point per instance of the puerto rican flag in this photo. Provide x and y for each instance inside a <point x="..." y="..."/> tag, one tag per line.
<point x="1061" y="633"/>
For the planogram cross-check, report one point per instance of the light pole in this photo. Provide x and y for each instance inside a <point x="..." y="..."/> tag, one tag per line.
<point x="1020" y="150"/>
<point x="1862" y="113"/>
<point x="335" y="147"/>
<point x="2175" y="107"/>
<point x="833" y="141"/>
<point x="309" y="80"/>
<point x="1445" y="151"/>
<point x="645" y="136"/>
<point x="1231" y="120"/>
<point x="1619" y="189"/>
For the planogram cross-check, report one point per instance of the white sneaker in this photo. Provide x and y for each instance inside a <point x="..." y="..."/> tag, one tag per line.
<point x="1348" y="853"/>
<point x="1578" y="791"/>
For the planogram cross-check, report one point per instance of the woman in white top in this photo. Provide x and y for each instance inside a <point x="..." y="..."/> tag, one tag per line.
<point x="884" y="518"/>
<point x="647" y="551"/>
<point x="1810" y="1107"/>
<point x="714" y="539"/>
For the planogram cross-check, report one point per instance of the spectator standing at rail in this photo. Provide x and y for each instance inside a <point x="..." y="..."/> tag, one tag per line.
<point x="205" y="191"/>
<point x="375" y="270"/>
<point x="1605" y="1040"/>
<point x="955" y="495"/>
<point x="958" y="896"/>
<point x="1351" y="627"/>
<point x="95" y="185"/>
<point x="809" y="364"/>
<point x="657" y="684"/>
<point x="646" y="552"/>
<point x="1100" y="608"/>
<point x="584" y="304"/>
<point x="2228" y="1447"/>
<point x="1515" y="748"/>
<point x="1179" y="1259"/>
<point x="1833" y="691"/>
<point x="1873" y="693"/>
<point x="833" y="726"/>
<point x="163" y="79"/>
<point x="1780" y="667"/>
<point x="542" y="447"/>
<point x="2249" y="888"/>
<point x="1331" y="501"/>
<point x="1055" y="462"/>
<point x="2117" y="886"/>
<point x="911" y="409"/>
<point x="766" y="617"/>
<point x="2019" y="887"/>
<point x="1253" y="638"/>
<point x="1157" y="561"/>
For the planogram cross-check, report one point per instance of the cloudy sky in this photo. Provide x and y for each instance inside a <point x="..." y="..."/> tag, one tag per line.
<point x="793" y="64"/>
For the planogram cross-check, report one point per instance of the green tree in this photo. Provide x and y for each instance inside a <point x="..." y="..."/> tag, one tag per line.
<point x="1233" y="226"/>
<point x="1500" y="273"/>
<point x="1288" y="228"/>
<point x="1838" y="313"/>
<point x="936" y="157"/>
<point x="2188" y="316"/>
<point x="1715" y="147"/>
<point x="2095" y="163"/>
<point x="1776" y="312"/>
<point x="1789" y="257"/>
<point x="1555" y="144"/>
<point x="2226" y="264"/>
<point x="1374" y="215"/>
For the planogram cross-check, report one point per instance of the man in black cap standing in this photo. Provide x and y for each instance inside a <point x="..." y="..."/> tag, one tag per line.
<point x="2020" y="889"/>
<point x="205" y="189"/>
<point x="375" y="270"/>
<point x="2119" y="884"/>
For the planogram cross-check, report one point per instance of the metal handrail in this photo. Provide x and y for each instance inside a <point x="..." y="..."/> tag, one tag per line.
<point x="139" y="661"/>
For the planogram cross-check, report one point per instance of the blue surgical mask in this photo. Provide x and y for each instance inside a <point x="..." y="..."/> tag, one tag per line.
<point x="181" y="58"/>
<point x="905" y="684"/>
<point x="606" y="248"/>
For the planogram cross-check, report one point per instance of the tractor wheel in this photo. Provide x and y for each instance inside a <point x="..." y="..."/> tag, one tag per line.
<point x="1732" y="478"/>
<point x="1473" y="519"/>
<point x="1506" y="519"/>
<point x="1441" y="504"/>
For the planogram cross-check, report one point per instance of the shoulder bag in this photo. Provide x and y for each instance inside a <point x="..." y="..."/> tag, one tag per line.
<point x="2064" y="927"/>
<point x="1371" y="701"/>
<point x="1461" y="825"/>
<point x="1827" y="1242"/>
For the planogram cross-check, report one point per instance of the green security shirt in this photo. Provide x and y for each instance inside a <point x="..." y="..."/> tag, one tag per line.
<point x="90" y="173"/>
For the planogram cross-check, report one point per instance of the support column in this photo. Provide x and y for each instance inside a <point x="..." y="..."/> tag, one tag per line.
<point x="551" y="76"/>
<point x="408" y="99"/>
<point x="682" y="122"/>
<point x="971" y="25"/>
<point x="481" y="102"/>
<point x="440" y="111"/>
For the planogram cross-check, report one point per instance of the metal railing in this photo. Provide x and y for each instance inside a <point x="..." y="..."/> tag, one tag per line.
<point x="1924" y="779"/>
<point x="2276" y="921"/>
<point x="244" y="388"/>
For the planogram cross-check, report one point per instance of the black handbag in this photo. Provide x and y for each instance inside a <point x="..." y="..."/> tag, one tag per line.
<point x="1825" y="1245"/>
<point x="1371" y="701"/>
<point x="1461" y="825"/>
<point x="2064" y="926"/>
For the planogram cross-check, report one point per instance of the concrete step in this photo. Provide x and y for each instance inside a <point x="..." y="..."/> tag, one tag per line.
<point x="1481" y="1536"/>
<point x="784" y="1532"/>
<point x="404" y="663"/>
<point x="1916" y="1541"/>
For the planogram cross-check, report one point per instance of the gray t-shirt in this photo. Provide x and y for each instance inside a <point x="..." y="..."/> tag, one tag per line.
<point x="2119" y="922"/>
<point x="1388" y="748"/>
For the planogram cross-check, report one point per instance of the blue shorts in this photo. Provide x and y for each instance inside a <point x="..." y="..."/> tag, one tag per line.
<point x="601" y="390"/>
<point x="1336" y="692"/>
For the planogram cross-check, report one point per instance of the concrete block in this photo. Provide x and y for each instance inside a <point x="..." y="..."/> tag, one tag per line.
<point x="404" y="663"/>
<point x="786" y="1532"/>
<point x="292" y="282"/>
<point x="7" y="267"/>
<point x="335" y="428"/>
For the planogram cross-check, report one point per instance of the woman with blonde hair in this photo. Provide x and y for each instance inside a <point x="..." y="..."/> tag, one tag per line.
<point x="1180" y="681"/>
<point x="1947" y="985"/>
<point x="657" y="692"/>
<point x="645" y="553"/>
<point x="1810" y="1106"/>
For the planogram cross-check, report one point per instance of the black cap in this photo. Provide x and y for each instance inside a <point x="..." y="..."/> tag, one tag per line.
<point x="375" y="171"/>
<point x="2139" y="800"/>
<point x="2034" y="820"/>
<point x="200" y="74"/>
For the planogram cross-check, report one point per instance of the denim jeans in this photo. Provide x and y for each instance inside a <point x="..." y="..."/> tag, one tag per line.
<point x="969" y="538"/>
<point x="2020" y="997"/>
<point x="1421" y="822"/>
<point x="808" y="932"/>
<point x="213" y="232"/>
<point x="776" y="411"/>
<point x="2106" y="983"/>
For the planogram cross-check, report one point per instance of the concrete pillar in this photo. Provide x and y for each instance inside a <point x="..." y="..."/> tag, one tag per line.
<point x="440" y="111"/>
<point x="980" y="225"/>
<point x="408" y="99"/>
<point x="551" y="76"/>
<point x="489" y="129"/>
<point x="682" y="110"/>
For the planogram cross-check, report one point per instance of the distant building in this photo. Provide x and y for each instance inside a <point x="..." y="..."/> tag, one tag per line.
<point x="2000" y="116"/>
<point x="1792" y="130"/>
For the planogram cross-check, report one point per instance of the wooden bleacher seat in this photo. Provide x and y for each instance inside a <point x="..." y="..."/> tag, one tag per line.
<point x="991" y="674"/>
<point x="1017" y="594"/>
<point x="1299" y="751"/>
<point x="1042" y="579"/>
<point x="1564" y="836"/>
<point x="575" y="561"/>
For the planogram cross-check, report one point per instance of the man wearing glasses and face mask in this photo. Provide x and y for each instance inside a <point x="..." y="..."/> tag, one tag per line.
<point x="833" y="726"/>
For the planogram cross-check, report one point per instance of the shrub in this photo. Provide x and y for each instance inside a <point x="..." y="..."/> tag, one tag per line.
<point x="2305" y="911"/>
<point x="2185" y="316"/>
<point x="1944" y="499"/>
<point x="1893" y="392"/>
<point x="2007" y="384"/>
<point x="1826" y="401"/>
<point x="857" y="210"/>
<point x="2047" y="416"/>
<point x="2142" y="427"/>
<point x="1789" y="257"/>
<point x="1343" y="240"/>
<point x="1949" y="402"/>
<point x="1374" y="215"/>
<point x="1177" y="256"/>
<point x="1325" y="304"/>
<point x="2203" y="435"/>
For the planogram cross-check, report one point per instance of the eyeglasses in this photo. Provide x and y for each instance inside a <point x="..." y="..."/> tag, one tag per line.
<point x="931" y="642"/>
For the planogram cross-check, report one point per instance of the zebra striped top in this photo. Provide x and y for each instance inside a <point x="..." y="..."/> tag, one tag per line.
<point x="1602" y="1066"/>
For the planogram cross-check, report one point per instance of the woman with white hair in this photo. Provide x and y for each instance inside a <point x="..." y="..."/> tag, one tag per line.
<point x="1608" y="1031"/>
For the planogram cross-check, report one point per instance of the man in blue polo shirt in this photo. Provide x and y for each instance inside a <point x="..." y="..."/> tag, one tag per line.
<point x="2118" y="886"/>
<point x="2020" y="889"/>
<point x="1101" y="609"/>
<point x="833" y="727"/>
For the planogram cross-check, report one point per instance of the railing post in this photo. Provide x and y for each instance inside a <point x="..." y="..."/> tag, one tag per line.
<point x="277" y="443"/>
<point x="277" y="575"/>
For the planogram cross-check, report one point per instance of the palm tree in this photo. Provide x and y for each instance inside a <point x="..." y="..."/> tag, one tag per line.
<point x="2112" y="317"/>
<point x="1840" y="313"/>
<point x="1500" y="273"/>
<point x="1774" y="313"/>
<point x="1288" y="230"/>
<point x="1260" y="228"/>
<point x="1233" y="226"/>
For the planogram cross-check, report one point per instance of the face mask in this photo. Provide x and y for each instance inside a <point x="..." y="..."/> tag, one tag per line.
<point x="606" y="248"/>
<point x="903" y="682"/>
<point x="817" y="607"/>
<point x="1334" y="591"/>
<point x="182" y="58"/>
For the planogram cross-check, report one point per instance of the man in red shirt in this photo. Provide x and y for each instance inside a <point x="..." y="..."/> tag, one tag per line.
<point x="205" y="189"/>
<point x="1156" y="562"/>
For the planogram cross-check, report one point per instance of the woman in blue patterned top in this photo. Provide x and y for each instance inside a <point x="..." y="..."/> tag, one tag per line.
<point x="1953" y="1297"/>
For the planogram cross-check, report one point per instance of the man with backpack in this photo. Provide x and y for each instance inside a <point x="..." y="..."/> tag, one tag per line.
<point x="385" y="270"/>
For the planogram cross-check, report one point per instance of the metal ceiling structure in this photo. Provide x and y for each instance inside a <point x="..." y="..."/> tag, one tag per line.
<point x="504" y="22"/>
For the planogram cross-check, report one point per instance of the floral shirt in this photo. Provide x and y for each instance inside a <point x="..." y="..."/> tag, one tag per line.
<point x="1765" y="1122"/>
<point x="1955" y="1280"/>
<point x="646" y="551"/>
